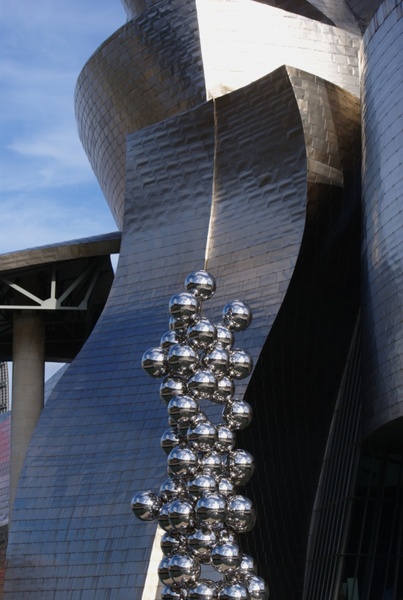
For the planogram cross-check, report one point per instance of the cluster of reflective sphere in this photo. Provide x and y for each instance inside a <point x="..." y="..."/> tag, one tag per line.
<point x="198" y="506"/>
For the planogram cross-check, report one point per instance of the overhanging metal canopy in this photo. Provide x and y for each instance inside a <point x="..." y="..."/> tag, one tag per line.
<point x="68" y="282"/>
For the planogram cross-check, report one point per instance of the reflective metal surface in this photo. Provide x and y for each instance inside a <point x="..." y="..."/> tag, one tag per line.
<point x="383" y="238"/>
<point x="296" y="166"/>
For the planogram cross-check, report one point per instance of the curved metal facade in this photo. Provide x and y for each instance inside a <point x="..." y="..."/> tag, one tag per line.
<point x="260" y="186"/>
<point x="382" y="107"/>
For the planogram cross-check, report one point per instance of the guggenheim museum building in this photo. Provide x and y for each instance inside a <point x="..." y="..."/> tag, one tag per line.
<point x="260" y="141"/>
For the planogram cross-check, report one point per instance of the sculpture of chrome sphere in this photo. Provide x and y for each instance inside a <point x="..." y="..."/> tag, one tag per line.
<point x="200" y="542"/>
<point x="238" y="414"/>
<point x="240" y="364"/>
<point x="170" y="387"/>
<point x="183" y="568"/>
<point x="169" y="339"/>
<point x="241" y="466"/>
<point x="225" y="438"/>
<point x="146" y="505"/>
<point x="226" y="535"/>
<point x="171" y="488"/>
<point x="226" y="556"/>
<point x="202" y="436"/>
<point x="247" y="566"/>
<point x="169" y="439"/>
<point x="217" y="360"/>
<point x="181" y="409"/>
<point x="203" y="482"/>
<point x="163" y="517"/>
<point x="202" y="384"/>
<point x="182" y="359"/>
<point x="173" y="542"/>
<point x="225" y="390"/>
<point x="225" y="337"/>
<point x="241" y="514"/>
<point x="205" y="589"/>
<point x="169" y="593"/>
<point x="182" y="462"/>
<point x="233" y="591"/>
<point x="184" y="306"/>
<point x="200" y="283"/>
<point x="154" y="362"/>
<point x="179" y="327"/>
<point x="211" y="463"/>
<point x="257" y="587"/>
<point x="211" y="509"/>
<point x="163" y="572"/>
<point x="181" y="514"/>
<point x="226" y="487"/>
<point x="236" y="315"/>
<point x="198" y="506"/>
<point x="201" y="334"/>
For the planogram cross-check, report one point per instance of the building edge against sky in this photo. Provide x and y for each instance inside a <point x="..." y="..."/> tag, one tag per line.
<point x="262" y="187"/>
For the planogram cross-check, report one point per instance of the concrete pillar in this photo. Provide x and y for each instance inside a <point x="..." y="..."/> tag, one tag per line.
<point x="28" y="388"/>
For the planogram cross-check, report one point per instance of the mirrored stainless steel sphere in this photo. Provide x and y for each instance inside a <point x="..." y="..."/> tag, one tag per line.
<point x="211" y="509"/>
<point x="173" y="542"/>
<point x="163" y="572"/>
<point x="181" y="409"/>
<point x="236" y="315"/>
<point x="225" y="337"/>
<point x="154" y="362"/>
<point x="182" y="359"/>
<point x="234" y="591"/>
<point x="225" y="390"/>
<point x="169" y="593"/>
<point x="226" y="487"/>
<point x="202" y="436"/>
<point x="205" y="589"/>
<point x="146" y="505"/>
<point x="241" y="513"/>
<point x="201" y="283"/>
<point x="200" y="542"/>
<point x="257" y="587"/>
<point x="217" y="360"/>
<point x="240" y="364"/>
<point x="168" y="339"/>
<point x="226" y="438"/>
<point x="169" y="439"/>
<point x="183" y="568"/>
<point x="226" y="556"/>
<point x="211" y="463"/>
<point x="163" y="517"/>
<point x="171" y="488"/>
<point x="182" y="462"/>
<point x="201" y="483"/>
<point x="170" y="387"/>
<point x="247" y="566"/>
<point x="241" y="466"/>
<point x="226" y="535"/>
<point x="238" y="414"/>
<point x="184" y="306"/>
<point x="201" y="334"/>
<point x="202" y="384"/>
<point x="181" y="514"/>
<point x="179" y="327"/>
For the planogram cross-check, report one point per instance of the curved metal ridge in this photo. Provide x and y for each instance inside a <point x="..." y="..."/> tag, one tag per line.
<point x="160" y="64"/>
<point x="148" y="70"/>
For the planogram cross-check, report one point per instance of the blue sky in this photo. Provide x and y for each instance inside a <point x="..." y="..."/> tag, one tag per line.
<point x="48" y="192"/>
